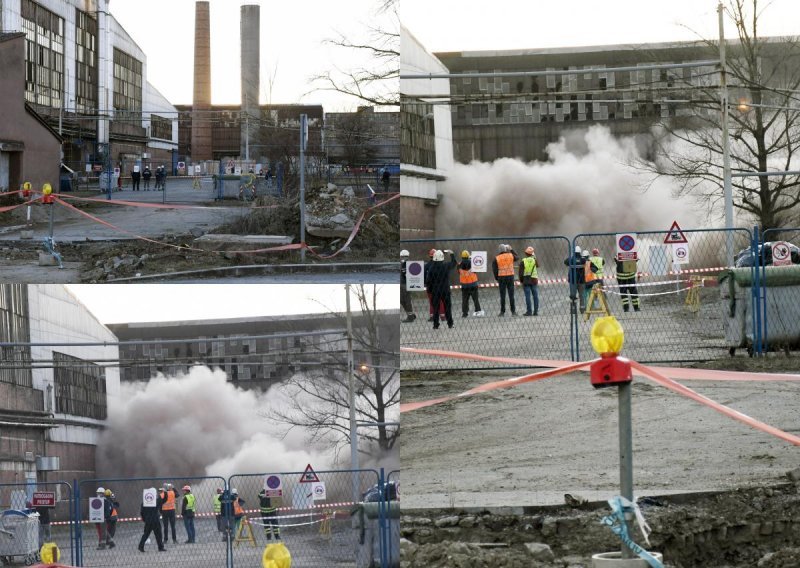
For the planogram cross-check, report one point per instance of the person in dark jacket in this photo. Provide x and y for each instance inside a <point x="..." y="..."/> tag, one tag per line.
<point x="575" y="276"/>
<point x="146" y="175"/>
<point x="269" y="515"/>
<point x="135" y="177"/>
<point x="469" y="286"/>
<point x="405" y="295"/>
<point x="437" y="282"/>
<point x="427" y="290"/>
<point x="149" y="515"/>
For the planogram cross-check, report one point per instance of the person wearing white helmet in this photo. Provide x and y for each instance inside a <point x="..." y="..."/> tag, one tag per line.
<point x="103" y="540"/>
<point x="529" y="278"/>
<point x="170" y="500"/>
<point x="503" y="269"/>
<point x="187" y="512"/>
<point x="437" y="282"/>
<point x="149" y="514"/>
<point x="405" y="295"/>
<point x="575" y="276"/>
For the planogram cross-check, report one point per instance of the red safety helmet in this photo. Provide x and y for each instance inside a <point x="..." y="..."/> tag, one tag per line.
<point x="431" y="252"/>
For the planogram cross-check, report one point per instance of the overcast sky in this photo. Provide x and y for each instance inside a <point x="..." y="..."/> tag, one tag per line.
<point x="292" y="48"/>
<point x="448" y="25"/>
<point x="170" y="302"/>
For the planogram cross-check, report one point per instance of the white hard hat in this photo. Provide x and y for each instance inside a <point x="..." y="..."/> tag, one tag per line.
<point x="585" y="253"/>
<point x="577" y="249"/>
<point x="403" y="253"/>
<point x="234" y="491"/>
<point x="438" y="255"/>
<point x="100" y="490"/>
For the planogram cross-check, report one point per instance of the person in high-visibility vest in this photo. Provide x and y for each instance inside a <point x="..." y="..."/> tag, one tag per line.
<point x="238" y="510"/>
<point x="469" y="286"/>
<point x="503" y="268"/>
<point x="529" y="278"/>
<point x="269" y="516"/>
<point x="169" y="497"/>
<point x="187" y="512"/>
<point x="594" y="269"/>
<point x="626" y="277"/>
<point x="218" y="511"/>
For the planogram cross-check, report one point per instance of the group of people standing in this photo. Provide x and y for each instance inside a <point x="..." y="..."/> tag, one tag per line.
<point x="146" y="175"/>
<point x="585" y="271"/>
<point x="164" y="510"/>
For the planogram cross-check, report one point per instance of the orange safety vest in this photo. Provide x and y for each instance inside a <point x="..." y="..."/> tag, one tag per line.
<point x="505" y="264"/>
<point x="237" y="508"/>
<point x="467" y="276"/>
<point x="169" y="501"/>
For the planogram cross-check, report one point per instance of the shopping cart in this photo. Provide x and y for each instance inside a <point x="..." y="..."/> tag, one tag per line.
<point x="19" y="536"/>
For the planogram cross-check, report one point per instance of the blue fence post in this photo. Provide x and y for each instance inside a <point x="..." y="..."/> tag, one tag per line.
<point x="382" y="522"/>
<point x="574" y="348"/>
<point x="756" y="287"/>
<point x="763" y="296"/>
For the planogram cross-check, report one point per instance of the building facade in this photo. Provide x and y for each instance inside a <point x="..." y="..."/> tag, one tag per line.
<point x="426" y="145"/>
<point x="250" y="363"/>
<point x="87" y="77"/>
<point x="53" y="399"/>
<point x="363" y="137"/>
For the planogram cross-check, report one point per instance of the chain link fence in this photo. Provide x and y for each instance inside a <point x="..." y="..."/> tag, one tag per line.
<point x="777" y="310"/>
<point x="33" y="514"/>
<point x="680" y="316"/>
<point x="547" y="335"/>
<point x="314" y="517"/>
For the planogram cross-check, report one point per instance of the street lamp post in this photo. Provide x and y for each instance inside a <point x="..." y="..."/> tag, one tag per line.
<point x="352" y="397"/>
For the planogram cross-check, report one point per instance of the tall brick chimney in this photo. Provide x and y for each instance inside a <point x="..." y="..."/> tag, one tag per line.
<point x="201" y="103"/>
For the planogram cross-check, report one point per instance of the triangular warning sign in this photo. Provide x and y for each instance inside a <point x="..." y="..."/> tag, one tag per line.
<point x="675" y="235"/>
<point x="309" y="475"/>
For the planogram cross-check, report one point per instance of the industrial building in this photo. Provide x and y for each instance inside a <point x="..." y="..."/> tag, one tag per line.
<point x="87" y="77"/>
<point x="426" y="143"/>
<point x="53" y="399"/>
<point x="362" y="137"/>
<point x="252" y="363"/>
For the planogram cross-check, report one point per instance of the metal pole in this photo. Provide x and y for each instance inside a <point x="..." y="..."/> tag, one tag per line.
<point x="726" y="150"/>
<point x="351" y="391"/>
<point x="626" y="455"/>
<point x="50" y="231"/>
<point x="303" y="122"/>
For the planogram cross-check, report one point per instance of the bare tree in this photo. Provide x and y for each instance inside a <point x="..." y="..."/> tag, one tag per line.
<point x="319" y="401"/>
<point x="763" y="78"/>
<point x="378" y="81"/>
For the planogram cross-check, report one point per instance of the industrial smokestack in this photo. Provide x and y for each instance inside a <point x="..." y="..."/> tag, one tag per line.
<point x="201" y="103"/>
<point x="250" y="39"/>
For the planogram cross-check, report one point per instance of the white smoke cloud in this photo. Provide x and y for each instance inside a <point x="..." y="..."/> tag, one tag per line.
<point x="587" y="185"/>
<point x="198" y="424"/>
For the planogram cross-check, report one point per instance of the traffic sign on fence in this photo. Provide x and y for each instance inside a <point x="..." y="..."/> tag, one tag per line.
<point x="627" y="247"/>
<point x="675" y="234"/>
<point x="43" y="499"/>
<point x="318" y="489"/>
<point x="97" y="512"/>
<point x="273" y="486"/>
<point x="478" y="261"/>
<point x="781" y="254"/>
<point x="415" y="275"/>
<point x="680" y="253"/>
<point x="309" y="475"/>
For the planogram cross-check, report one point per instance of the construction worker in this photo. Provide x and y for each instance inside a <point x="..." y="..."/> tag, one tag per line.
<point x="529" y="278"/>
<point x="469" y="286"/>
<point x="269" y="516"/>
<point x="425" y="278"/>
<point x="437" y="282"/>
<point x="218" y="511"/>
<point x="103" y="539"/>
<point x="149" y="515"/>
<point x="112" y="506"/>
<point x="583" y="288"/>
<point x="238" y="510"/>
<point x="626" y="277"/>
<point x="405" y="295"/>
<point x="169" y="499"/>
<point x="575" y="276"/>
<point x="503" y="268"/>
<point x="594" y="269"/>
<point x="187" y="512"/>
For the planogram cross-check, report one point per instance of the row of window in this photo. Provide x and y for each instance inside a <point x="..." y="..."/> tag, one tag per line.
<point x="80" y="387"/>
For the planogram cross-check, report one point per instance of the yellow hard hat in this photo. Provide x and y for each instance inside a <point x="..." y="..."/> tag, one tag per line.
<point x="26" y="185"/>
<point x="464" y="254"/>
<point x="46" y="189"/>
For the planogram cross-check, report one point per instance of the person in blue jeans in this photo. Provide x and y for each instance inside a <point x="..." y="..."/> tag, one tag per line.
<point x="529" y="278"/>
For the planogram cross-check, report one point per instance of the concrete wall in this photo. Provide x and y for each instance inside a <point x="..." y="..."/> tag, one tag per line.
<point x="37" y="149"/>
<point x="418" y="183"/>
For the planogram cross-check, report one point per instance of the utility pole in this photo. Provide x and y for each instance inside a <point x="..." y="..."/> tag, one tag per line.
<point x="351" y="391"/>
<point x="303" y="143"/>
<point x="726" y="150"/>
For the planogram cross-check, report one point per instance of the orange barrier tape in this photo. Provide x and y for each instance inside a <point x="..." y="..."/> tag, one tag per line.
<point x="727" y="411"/>
<point x="680" y="373"/>
<point x="12" y="207"/>
<point x="409" y="406"/>
<point x="10" y="192"/>
<point x="139" y="204"/>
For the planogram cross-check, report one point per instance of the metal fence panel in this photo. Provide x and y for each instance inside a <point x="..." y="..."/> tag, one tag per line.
<point x="19" y="496"/>
<point x="314" y="524"/>
<point x="547" y="335"/>
<point x="777" y="306"/>
<point x="209" y="549"/>
<point x="681" y="317"/>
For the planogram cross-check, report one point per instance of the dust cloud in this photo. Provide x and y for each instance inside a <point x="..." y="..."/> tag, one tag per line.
<point x="587" y="185"/>
<point x="197" y="424"/>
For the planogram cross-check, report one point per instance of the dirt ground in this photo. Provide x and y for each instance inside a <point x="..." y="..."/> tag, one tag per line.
<point x="531" y="444"/>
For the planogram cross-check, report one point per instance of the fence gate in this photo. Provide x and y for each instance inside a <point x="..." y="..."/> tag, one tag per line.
<point x="778" y="310"/>
<point x="546" y="336"/>
<point x="682" y="315"/>
<point x="93" y="539"/>
<point x="318" y="518"/>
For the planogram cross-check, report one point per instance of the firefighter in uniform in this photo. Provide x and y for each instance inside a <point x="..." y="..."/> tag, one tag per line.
<point x="269" y="516"/>
<point x="469" y="286"/>
<point x="626" y="277"/>
<point x="503" y="268"/>
<point x="529" y="278"/>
